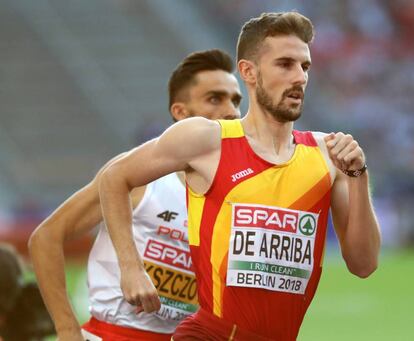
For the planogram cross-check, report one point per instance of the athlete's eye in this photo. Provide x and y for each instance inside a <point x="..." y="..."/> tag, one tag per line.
<point x="285" y="65"/>
<point x="214" y="99"/>
<point x="306" y="67"/>
<point x="236" y="101"/>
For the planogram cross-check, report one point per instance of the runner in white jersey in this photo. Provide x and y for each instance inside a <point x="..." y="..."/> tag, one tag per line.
<point x="201" y="85"/>
<point x="160" y="233"/>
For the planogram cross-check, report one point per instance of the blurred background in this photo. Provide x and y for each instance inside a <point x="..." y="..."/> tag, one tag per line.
<point x="81" y="81"/>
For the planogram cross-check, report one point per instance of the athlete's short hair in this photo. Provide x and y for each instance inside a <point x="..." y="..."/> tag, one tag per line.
<point x="186" y="71"/>
<point x="256" y="30"/>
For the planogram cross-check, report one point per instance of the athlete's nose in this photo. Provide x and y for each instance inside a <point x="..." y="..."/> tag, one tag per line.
<point x="233" y="112"/>
<point x="232" y="115"/>
<point x="301" y="76"/>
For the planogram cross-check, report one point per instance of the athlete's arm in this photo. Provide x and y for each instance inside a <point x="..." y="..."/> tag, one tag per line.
<point x="352" y="212"/>
<point x="76" y="216"/>
<point x="184" y="146"/>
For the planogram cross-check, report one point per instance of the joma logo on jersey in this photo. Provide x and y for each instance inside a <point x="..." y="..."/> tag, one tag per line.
<point x="241" y="174"/>
<point x="167" y="215"/>
<point x="266" y="217"/>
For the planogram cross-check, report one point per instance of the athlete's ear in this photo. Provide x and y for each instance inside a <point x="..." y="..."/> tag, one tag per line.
<point x="178" y="111"/>
<point x="247" y="71"/>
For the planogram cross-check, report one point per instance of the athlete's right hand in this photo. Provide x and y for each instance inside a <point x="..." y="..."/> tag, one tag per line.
<point x="139" y="290"/>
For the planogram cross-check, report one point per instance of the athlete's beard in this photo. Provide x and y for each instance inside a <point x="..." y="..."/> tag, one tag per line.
<point x="281" y="112"/>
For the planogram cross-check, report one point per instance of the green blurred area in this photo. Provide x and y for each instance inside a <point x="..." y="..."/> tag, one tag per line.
<point x="344" y="308"/>
<point x="377" y="308"/>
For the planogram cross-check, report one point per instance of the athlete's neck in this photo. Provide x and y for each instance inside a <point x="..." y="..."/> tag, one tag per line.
<point x="269" y="133"/>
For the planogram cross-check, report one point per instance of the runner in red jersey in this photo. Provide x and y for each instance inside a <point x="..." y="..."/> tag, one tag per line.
<point x="254" y="234"/>
<point x="258" y="194"/>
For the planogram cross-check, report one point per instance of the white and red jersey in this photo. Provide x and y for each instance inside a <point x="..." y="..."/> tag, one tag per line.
<point x="160" y="233"/>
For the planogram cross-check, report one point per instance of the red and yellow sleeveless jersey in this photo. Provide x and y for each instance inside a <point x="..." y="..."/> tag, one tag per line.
<point x="257" y="235"/>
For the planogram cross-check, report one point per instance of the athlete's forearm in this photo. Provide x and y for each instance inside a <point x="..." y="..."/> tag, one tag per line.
<point x="136" y="285"/>
<point x="117" y="212"/>
<point x="48" y="261"/>
<point x="362" y="240"/>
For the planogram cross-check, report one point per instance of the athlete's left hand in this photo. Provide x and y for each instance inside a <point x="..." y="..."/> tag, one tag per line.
<point x="344" y="151"/>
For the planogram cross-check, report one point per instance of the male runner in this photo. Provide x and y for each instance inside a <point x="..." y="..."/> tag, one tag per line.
<point x="258" y="195"/>
<point x="201" y="85"/>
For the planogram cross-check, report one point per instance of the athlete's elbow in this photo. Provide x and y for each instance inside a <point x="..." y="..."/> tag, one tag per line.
<point x="32" y="241"/>
<point x="364" y="273"/>
<point x="111" y="178"/>
<point x="105" y="178"/>
<point x="35" y="242"/>
<point x="106" y="183"/>
<point x="363" y="269"/>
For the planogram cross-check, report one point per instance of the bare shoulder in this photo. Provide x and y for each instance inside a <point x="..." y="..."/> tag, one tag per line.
<point x="195" y="134"/>
<point x="195" y="127"/>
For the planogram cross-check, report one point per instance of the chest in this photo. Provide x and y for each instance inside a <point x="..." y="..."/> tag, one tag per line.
<point x="270" y="153"/>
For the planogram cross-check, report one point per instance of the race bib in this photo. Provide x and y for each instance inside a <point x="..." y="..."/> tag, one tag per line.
<point x="170" y="270"/>
<point x="271" y="248"/>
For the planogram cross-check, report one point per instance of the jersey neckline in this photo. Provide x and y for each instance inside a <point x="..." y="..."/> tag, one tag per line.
<point x="258" y="157"/>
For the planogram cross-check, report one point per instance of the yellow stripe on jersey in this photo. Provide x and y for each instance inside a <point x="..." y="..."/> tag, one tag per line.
<point x="231" y="128"/>
<point x="220" y="239"/>
<point x="195" y="212"/>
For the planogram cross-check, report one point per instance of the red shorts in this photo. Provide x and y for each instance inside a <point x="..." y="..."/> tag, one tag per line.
<point x="111" y="332"/>
<point x="203" y="326"/>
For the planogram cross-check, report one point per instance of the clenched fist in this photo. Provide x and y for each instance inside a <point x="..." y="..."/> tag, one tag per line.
<point x="139" y="290"/>
<point x="344" y="151"/>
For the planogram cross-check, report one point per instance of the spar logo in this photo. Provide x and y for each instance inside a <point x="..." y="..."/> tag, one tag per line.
<point x="273" y="218"/>
<point x="168" y="254"/>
